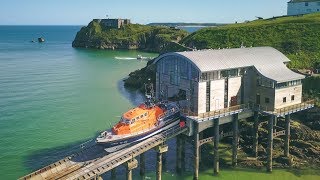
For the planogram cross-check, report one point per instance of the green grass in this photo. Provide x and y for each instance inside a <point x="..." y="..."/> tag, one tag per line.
<point x="297" y="37"/>
<point x="149" y="38"/>
<point x="311" y="88"/>
<point x="248" y="174"/>
<point x="239" y="173"/>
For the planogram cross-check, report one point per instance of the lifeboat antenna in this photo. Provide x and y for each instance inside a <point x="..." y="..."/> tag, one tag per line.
<point x="149" y="94"/>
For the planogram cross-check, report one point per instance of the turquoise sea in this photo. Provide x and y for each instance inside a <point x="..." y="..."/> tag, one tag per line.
<point x="54" y="97"/>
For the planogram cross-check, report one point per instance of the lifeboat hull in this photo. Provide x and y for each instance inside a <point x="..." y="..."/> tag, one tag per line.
<point x="112" y="146"/>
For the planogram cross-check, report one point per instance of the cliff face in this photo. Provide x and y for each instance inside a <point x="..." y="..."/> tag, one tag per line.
<point x="133" y="36"/>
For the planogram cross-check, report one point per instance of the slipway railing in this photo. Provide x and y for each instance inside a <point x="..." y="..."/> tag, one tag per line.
<point x="217" y="113"/>
<point x="289" y="109"/>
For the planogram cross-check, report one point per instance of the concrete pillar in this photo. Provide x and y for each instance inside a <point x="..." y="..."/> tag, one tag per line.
<point x="196" y="153"/>
<point x="287" y="136"/>
<point x="98" y="178"/>
<point x="216" y="147"/>
<point x="114" y="174"/>
<point x="159" y="166"/>
<point x="255" y="134"/>
<point x="270" y="142"/>
<point x="130" y="165"/>
<point x="160" y="150"/>
<point x="142" y="165"/>
<point x="179" y="155"/>
<point x="235" y="140"/>
<point x="129" y="174"/>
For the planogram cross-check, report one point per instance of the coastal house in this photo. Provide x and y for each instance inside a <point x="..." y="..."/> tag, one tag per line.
<point x="210" y="80"/>
<point x="296" y="7"/>
<point x="113" y="23"/>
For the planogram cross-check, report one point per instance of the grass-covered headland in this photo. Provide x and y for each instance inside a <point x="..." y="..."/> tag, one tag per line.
<point x="132" y="36"/>
<point x="298" y="37"/>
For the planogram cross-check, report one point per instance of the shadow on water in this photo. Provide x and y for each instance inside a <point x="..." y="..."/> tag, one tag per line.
<point x="44" y="157"/>
<point x="90" y="151"/>
<point x="134" y="96"/>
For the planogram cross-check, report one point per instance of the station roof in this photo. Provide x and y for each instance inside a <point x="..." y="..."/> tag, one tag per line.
<point x="268" y="61"/>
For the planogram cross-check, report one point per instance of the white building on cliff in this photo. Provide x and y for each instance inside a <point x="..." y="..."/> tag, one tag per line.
<point x="296" y="7"/>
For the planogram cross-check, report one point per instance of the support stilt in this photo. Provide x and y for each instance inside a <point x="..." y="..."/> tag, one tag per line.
<point x="129" y="174"/>
<point x="130" y="165"/>
<point x="142" y="165"/>
<point x="160" y="150"/>
<point x="255" y="134"/>
<point x="216" y="148"/>
<point x="159" y="166"/>
<point x="287" y="136"/>
<point x="98" y="178"/>
<point x="196" y="153"/>
<point x="235" y="140"/>
<point x="270" y="143"/>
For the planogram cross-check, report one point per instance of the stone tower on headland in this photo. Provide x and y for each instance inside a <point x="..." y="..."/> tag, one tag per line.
<point x="113" y="23"/>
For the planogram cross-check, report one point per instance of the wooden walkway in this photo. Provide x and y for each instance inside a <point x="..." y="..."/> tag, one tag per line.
<point x="218" y="113"/>
<point x="94" y="161"/>
<point x="289" y="109"/>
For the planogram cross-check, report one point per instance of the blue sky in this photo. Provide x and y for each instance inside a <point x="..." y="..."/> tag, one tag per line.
<point x="80" y="12"/>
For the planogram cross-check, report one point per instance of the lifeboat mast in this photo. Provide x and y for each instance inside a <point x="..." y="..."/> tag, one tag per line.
<point x="149" y="93"/>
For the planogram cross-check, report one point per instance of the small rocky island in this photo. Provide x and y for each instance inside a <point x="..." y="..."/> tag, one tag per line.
<point x="122" y="34"/>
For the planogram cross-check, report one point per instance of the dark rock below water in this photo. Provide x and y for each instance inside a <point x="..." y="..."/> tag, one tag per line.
<point x="311" y="118"/>
<point x="41" y="39"/>
<point x="286" y="161"/>
<point x="261" y="150"/>
<point x="304" y="146"/>
<point x="302" y="132"/>
<point x="252" y="163"/>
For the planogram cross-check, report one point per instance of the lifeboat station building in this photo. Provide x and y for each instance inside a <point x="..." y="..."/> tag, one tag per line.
<point x="220" y="87"/>
<point x="209" y="80"/>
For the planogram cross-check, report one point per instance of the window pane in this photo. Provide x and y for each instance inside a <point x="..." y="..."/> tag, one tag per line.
<point x="284" y="99"/>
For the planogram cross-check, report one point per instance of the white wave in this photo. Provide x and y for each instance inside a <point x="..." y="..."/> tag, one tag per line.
<point x="125" y="58"/>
